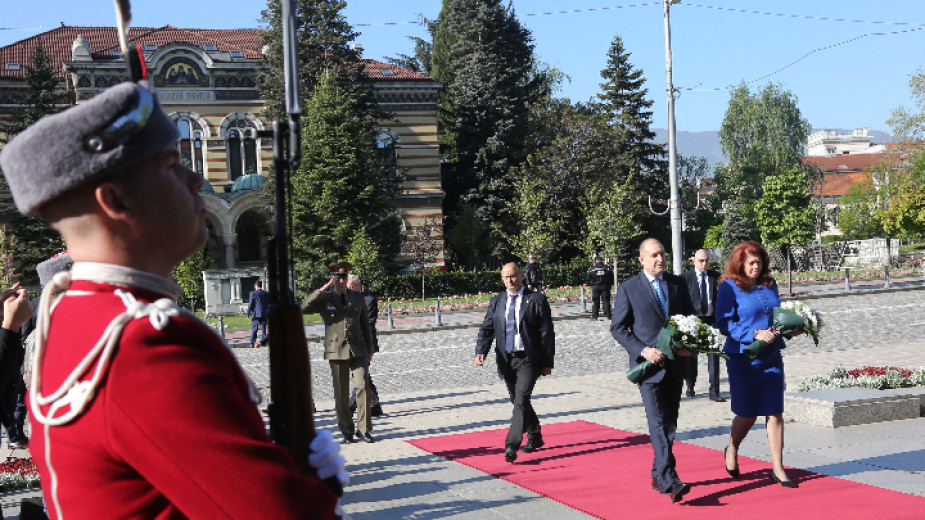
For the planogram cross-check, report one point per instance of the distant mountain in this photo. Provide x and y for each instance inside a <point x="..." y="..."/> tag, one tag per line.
<point x="706" y="144"/>
<point x="692" y="144"/>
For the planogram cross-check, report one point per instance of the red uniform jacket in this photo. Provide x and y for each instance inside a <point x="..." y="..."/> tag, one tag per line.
<point x="171" y="433"/>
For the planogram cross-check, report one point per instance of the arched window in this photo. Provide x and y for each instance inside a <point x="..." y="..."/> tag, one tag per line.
<point x="249" y="229"/>
<point x="190" y="145"/>
<point x="241" y="143"/>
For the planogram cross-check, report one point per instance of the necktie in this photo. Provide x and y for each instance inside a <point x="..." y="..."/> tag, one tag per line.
<point x="661" y="297"/>
<point x="510" y="328"/>
<point x="704" y="303"/>
<point x="343" y="299"/>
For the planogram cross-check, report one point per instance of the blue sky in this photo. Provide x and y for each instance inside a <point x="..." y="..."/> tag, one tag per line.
<point x="846" y="73"/>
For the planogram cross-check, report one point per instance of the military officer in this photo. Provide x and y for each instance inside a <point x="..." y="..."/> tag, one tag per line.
<point x="348" y="347"/>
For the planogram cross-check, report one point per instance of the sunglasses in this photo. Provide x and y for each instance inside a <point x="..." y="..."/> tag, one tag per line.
<point x="125" y="126"/>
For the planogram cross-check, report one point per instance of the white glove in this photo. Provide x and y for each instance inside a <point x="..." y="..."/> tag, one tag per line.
<point x="325" y="457"/>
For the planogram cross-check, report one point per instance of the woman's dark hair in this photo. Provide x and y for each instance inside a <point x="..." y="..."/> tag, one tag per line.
<point x="735" y="265"/>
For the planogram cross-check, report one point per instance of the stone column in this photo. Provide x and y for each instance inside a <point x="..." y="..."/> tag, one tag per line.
<point x="229" y="241"/>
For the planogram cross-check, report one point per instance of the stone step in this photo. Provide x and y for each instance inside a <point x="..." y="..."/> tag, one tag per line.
<point x="849" y="406"/>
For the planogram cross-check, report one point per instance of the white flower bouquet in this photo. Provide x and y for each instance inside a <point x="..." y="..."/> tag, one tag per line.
<point x="679" y="333"/>
<point x="812" y="320"/>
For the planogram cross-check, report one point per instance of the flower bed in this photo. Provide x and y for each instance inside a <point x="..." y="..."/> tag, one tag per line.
<point x="405" y="306"/>
<point x="16" y="473"/>
<point x="877" y="378"/>
<point x="835" y="276"/>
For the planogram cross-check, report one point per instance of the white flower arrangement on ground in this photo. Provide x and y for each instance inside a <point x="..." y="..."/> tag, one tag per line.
<point x="877" y="378"/>
<point x="696" y="335"/>
<point x="811" y="317"/>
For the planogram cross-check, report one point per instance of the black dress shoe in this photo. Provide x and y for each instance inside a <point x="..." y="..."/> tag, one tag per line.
<point x="348" y="438"/>
<point x="690" y="392"/>
<point x="533" y="444"/>
<point x="510" y="454"/>
<point x="734" y="472"/>
<point x="365" y="437"/>
<point x="784" y="483"/>
<point x="718" y="398"/>
<point x="376" y="411"/>
<point x="678" y="490"/>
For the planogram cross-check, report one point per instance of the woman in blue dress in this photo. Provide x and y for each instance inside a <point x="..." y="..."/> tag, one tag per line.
<point x="745" y="302"/>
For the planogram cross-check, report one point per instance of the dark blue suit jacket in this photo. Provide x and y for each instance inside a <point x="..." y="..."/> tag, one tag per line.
<point x="259" y="304"/>
<point x="637" y="316"/>
<point x="534" y="325"/>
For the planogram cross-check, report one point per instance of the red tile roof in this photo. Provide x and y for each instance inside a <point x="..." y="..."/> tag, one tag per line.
<point x="103" y="40"/>
<point x="846" y="163"/>
<point x="837" y="183"/>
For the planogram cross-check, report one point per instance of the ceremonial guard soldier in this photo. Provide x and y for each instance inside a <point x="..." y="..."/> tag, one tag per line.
<point x="139" y="409"/>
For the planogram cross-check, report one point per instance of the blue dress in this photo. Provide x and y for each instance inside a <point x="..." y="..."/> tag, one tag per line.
<point x="756" y="387"/>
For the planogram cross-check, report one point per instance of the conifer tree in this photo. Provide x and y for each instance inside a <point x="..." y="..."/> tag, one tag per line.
<point x="324" y="38"/>
<point x="623" y="100"/>
<point x="485" y="57"/>
<point x="343" y="187"/>
<point x="35" y="240"/>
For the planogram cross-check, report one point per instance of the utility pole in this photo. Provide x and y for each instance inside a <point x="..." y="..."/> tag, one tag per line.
<point x="674" y="202"/>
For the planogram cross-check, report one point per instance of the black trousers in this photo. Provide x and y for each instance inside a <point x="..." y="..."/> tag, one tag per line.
<point x="662" y="401"/>
<point x="691" y="369"/>
<point x="520" y="381"/>
<point x="600" y="295"/>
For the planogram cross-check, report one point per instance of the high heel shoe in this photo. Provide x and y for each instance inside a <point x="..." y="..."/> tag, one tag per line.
<point x="784" y="483"/>
<point x="734" y="472"/>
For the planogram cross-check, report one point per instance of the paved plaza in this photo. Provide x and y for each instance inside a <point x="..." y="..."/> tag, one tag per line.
<point x="430" y="386"/>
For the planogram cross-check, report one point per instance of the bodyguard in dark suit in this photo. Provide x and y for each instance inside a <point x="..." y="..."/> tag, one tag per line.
<point x="520" y="324"/>
<point x="532" y="277"/>
<point x="642" y="307"/>
<point x="600" y="278"/>
<point x="701" y="285"/>
<point x="258" y="307"/>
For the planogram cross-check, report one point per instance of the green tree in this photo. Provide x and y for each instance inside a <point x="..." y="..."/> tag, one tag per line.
<point x="623" y="101"/>
<point x="908" y="124"/>
<point x="785" y="213"/>
<point x="858" y="218"/>
<point x="470" y="239"/>
<point x="538" y="233"/>
<point x="324" y="38"/>
<point x="188" y="274"/>
<point x="367" y="262"/>
<point x="762" y="134"/>
<point x="905" y="215"/>
<point x="342" y="188"/>
<point x="43" y="96"/>
<point x="422" y="52"/>
<point x="614" y="224"/>
<point x="737" y="226"/>
<point x="36" y="241"/>
<point x="485" y="57"/>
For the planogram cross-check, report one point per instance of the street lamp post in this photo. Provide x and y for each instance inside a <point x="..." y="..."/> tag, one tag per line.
<point x="674" y="202"/>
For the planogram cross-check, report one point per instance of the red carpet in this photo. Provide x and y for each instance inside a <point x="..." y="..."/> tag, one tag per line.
<point x="605" y="473"/>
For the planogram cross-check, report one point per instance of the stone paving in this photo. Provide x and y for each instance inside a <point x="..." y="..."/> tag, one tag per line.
<point x="439" y="360"/>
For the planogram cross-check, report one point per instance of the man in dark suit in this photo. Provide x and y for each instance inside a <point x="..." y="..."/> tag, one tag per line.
<point x="532" y="277"/>
<point x="641" y="309"/>
<point x="257" y="309"/>
<point x="372" y="308"/>
<point x="701" y="284"/>
<point x="520" y="323"/>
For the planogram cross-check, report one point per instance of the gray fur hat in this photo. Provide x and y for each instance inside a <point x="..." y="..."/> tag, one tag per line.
<point x="63" y="151"/>
<point x="54" y="265"/>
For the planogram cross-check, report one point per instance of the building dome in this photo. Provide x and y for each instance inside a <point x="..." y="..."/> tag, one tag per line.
<point x="251" y="181"/>
<point x="207" y="187"/>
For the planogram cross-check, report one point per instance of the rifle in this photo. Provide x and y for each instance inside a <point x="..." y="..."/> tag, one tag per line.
<point x="291" y="408"/>
<point x="134" y="58"/>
